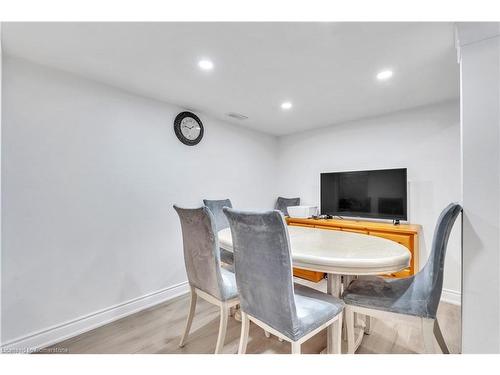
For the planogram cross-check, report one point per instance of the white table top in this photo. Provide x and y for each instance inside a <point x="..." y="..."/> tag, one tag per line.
<point x="338" y="252"/>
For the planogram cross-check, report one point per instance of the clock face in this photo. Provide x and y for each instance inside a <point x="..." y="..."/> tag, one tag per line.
<point x="188" y="128"/>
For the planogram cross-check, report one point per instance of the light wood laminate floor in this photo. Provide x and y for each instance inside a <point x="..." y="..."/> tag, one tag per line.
<point x="158" y="330"/>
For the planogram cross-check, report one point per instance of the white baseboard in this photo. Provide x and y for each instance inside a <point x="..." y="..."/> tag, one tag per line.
<point x="60" y="332"/>
<point x="451" y="296"/>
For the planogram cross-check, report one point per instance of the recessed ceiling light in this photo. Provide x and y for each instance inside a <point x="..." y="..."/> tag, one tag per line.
<point x="206" y="64"/>
<point x="383" y="75"/>
<point x="286" y="105"/>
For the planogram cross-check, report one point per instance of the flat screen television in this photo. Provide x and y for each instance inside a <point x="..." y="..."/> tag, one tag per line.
<point x="379" y="194"/>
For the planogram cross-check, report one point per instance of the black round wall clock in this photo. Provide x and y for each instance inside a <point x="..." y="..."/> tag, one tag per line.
<point x="188" y="128"/>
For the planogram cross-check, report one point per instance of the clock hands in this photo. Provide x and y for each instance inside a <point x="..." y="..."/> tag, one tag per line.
<point x="190" y="129"/>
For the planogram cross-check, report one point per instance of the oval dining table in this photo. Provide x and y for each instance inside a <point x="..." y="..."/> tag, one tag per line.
<point x="339" y="254"/>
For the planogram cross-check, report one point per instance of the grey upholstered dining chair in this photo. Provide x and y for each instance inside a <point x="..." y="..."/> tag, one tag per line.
<point x="221" y="222"/>
<point x="282" y="204"/>
<point x="206" y="277"/>
<point x="268" y="296"/>
<point x="409" y="298"/>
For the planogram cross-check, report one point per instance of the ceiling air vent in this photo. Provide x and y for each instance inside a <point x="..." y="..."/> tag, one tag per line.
<point x="237" y="116"/>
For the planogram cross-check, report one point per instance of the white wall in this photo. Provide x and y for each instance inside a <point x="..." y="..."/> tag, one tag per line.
<point x="425" y="140"/>
<point x="480" y="95"/>
<point x="89" y="176"/>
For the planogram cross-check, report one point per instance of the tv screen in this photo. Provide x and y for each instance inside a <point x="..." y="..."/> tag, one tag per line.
<point x="377" y="194"/>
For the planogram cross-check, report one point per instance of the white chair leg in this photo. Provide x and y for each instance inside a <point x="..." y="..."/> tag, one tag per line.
<point x="245" y="327"/>
<point x="267" y="334"/>
<point x="192" y="308"/>
<point x="439" y="338"/>
<point x="295" y="348"/>
<point x="349" y="322"/>
<point x="428" y="333"/>
<point x="224" y="314"/>
<point x="335" y="340"/>
<point x="237" y="314"/>
<point x="368" y="324"/>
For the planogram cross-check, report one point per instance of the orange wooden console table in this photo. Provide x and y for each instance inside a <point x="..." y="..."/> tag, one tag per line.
<point x="404" y="234"/>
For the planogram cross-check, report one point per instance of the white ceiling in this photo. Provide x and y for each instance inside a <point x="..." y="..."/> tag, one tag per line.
<point x="327" y="70"/>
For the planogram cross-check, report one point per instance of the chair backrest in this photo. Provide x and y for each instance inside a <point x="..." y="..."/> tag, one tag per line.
<point x="201" y="250"/>
<point x="216" y="207"/>
<point x="263" y="266"/>
<point x="428" y="283"/>
<point x="282" y="204"/>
